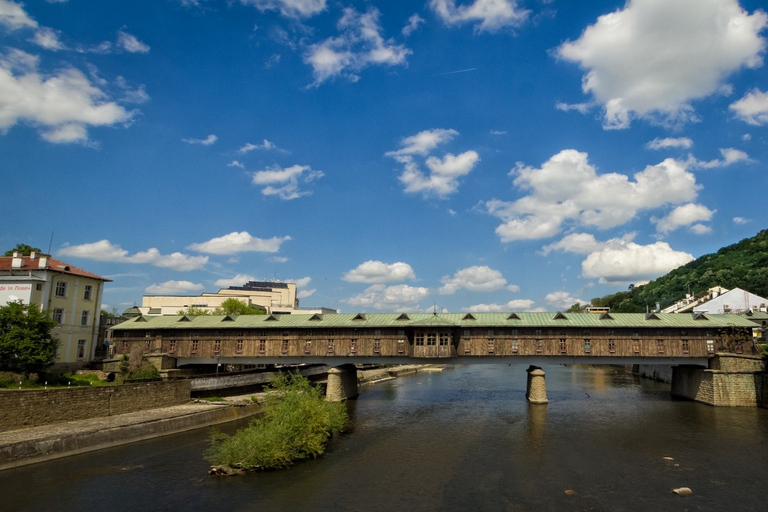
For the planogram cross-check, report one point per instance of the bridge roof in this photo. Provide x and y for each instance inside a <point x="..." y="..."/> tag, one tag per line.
<point x="462" y="320"/>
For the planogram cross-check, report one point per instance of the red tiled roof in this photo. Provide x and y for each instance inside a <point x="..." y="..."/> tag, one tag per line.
<point x="53" y="265"/>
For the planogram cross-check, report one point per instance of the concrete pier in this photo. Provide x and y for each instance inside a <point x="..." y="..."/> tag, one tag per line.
<point x="536" y="390"/>
<point x="342" y="383"/>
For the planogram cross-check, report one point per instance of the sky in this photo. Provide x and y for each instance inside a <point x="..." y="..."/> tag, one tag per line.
<point x="443" y="155"/>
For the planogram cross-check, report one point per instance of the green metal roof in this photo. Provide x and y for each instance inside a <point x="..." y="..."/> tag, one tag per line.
<point x="393" y="320"/>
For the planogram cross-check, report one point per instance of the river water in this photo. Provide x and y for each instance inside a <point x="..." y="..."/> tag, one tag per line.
<point x="461" y="440"/>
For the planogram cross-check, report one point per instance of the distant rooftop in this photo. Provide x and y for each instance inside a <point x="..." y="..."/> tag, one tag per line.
<point x="259" y="286"/>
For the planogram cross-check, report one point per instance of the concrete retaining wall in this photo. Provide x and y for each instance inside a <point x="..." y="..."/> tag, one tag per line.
<point x="732" y="381"/>
<point x="34" y="407"/>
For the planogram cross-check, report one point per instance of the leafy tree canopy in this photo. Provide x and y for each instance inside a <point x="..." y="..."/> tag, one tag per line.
<point x="24" y="249"/>
<point x="741" y="265"/>
<point x="26" y="343"/>
<point x="230" y="306"/>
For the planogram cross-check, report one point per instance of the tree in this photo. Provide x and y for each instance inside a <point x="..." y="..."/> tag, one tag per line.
<point x="24" y="249"/>
<point x="26" y="343"/>
<point x="193" y="311"/>
<point x="575" y="308"/>
<point x="233" y="306"/>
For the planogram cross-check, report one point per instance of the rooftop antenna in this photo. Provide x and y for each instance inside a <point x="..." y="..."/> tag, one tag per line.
<point x="434" y="308"/>
<point x="50" y="243"/>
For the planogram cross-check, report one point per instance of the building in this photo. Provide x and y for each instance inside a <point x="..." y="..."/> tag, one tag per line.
<point x="72" y="295"/>
<point x="719" y="300"/>
<point x="274" y="297"/>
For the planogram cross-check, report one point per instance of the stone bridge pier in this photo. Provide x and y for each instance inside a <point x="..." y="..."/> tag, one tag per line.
<point x="536" y="390"/>
<point x="342" y="383"/>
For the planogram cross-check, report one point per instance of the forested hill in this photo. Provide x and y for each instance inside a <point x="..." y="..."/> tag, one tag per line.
<point x="741" y="265"/>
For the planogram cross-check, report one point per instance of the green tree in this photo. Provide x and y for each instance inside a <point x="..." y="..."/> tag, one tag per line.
<point x="233" y="306"/>
<point x="24" y="249"/>
<point x="193" y="311"/>
<point x="575" y="308"/>
<point x="26" y="343"/>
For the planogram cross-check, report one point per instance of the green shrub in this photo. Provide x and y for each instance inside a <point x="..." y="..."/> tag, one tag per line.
<point x="297" y="424"/>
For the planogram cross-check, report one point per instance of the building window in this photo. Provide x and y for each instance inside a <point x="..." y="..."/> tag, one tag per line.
<point x="147" y="344"/>
<point x="353" y="346"/>
<point x="444" y="339"/>
<point x="538" y="332"/>
<point x="683" y="333"/>
<point x="39" y="286"/>
<point x="284" y="347"/>
<point x="686" y="346"/>
<point x="586" y="332"/>
<point x="217" y="346"/>
<point x="377" y="332"/>
<point x="377" y="346"/>
<point x="262" y="346"/>
<point x="490" y="332"/>
<point x="710" y="346"/>
<point x="612" y="346"/>
<point x="307" y="346"/>
<point x="195" y="345"/>
<point x="587" y="346"/>
<point x="61" y="289"/>
<point x="420" y="339"/>
<point x="400" y="346"/>
<point x="239" y="346"/>
<point x="84" y="318"/>
<point x="331" y="347"/>
<point x="172" y="346"/>
<point x="515" y="346"/>
<point x="431" y="339"/>
<point x="514" y="332"/>
<point x="80" y="349"/>
<point x="538" y="346"/>
<point x="660" y="346"/>
<point x="87" y="292"/>
<point x="563" y="346"/>
<point x="263" y="334"/>
<point x="491" y="344"/>
<point x="58" y="315"/>
<point x="636" y="346"/>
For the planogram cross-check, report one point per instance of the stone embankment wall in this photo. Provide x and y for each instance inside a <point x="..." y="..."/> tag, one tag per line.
<point x="32" y="408"/>
<point x="731" y="381"/>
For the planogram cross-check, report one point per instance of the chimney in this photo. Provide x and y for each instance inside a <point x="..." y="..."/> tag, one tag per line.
<point x="43" y="261"/>
<point x="17" y="260"/>
<point x="32" y="255"/>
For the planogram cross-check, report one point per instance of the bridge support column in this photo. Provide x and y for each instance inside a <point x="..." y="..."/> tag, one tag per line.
<point x="536" y="390"/>
<point x="342" y="383"/>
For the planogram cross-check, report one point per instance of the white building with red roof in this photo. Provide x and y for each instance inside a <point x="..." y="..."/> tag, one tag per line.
<point x="71" y="295"/>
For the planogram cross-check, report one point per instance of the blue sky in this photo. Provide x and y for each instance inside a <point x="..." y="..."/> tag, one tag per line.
<point x="469" y="155"/>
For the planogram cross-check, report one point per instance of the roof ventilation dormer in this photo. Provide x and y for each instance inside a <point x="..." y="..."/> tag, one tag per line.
<point x="359" y="316"/>
<point x="469" y="316"/>
<point x="513" y="316"/>
<point x="559" y="316"/>
<point x="316" y="317"/>
<point x="403" y="316"/>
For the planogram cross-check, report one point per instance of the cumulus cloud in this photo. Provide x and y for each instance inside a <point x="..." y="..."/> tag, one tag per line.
<point x="579" y="243"/>
<point x="752" y="108"/>
<point x="563" y="300"/>
<point x="486" y="15"/>
<point x="238" y="280"/>
<point x="174" y="288"/>
<point x="265" y="145"/>
<point x="684" y="215"/>
<point x="413" y="24"/>
<point x="130" y="43"/>
<point x="235" y="242"/>
<point x="444" y="173"/>
<point x="652" y="58"/>
<point x="379" y="272"/>
<point x="513" y="305"/>
<point x="13" y="16"/>
<point x="475" y="279"/>
<point x="62" y="106"/>
<point x="730" y="156"/>
<point x="104" y="250"/>
<point x="289" y="8"/>
<point x="568" y="188"/>
<point x="670" y="142"/>
<point x="358" y="45"/>
<point x="741" y="220"/>
<point x="235" y="163"/>
<point x="205" y="142"/>
<point x="48" y="38"/>
<point x="581" y="108"/>
<point x="284" y="182"/>
<point x="628" y="262"/>
<point x="396" y="297"/>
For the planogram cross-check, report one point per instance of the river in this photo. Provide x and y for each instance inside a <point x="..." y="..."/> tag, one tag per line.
<point x="464" y="439"/>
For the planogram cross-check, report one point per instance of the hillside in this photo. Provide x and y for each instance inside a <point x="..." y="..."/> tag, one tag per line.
<point x="741" y="265"/>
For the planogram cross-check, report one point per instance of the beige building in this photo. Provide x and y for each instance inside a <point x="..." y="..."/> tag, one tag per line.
<point x="274" y="297"/>
<point x="71" y="295"/>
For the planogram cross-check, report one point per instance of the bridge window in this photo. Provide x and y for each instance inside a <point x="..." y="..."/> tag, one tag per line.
<point x="444" y="339"/>
<point x="420" y="339"/>
<point x="172" y="346"/>
<point x="239" y="334"/>
<point x="660" y="346"/>
<point x="514" y="332"/>
<point x="217" y="345"/>
<point x="710" y="346"/>
<point x="400" y="346"/>
<point x="636" y="347"/>
<point x="538" y="332"/>
<point x="686" y="346"/>
<point x="515" y="346"/>
<point x="195" y="345"/>
<point x="466" y="333"/>
<point x="490" y="332"/>
<point x="239" y="347"/>
<point x="353" y="346"/>
<point x="262" y="346"/>
<point x="331" y="348"/>
<point x="491" y="343"/>
<point x="377" y="332"/>
<point x="195" y="334"/>
<point x="377" y="346"/>
<point x="683" y="333"/>
<point x="286" y="334"/>
<point x="125" y="346"/>
<point x="400" y="332"/>
<point x="263" y="334"/>
<point x="586" y="332"/>
<point x="563" y="346"/>
<point x="331" y="333"/>
<point x="284" y="347"/>
<point x="431" y="339"/>
<point x="146" y="344"/>
<point x="612" y="346"/>
<point x="587" y="346"/>
<point x="538" y="346"/>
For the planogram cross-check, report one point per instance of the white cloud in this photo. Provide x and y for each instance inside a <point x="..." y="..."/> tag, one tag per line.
<point x="652" y="58"/>
<point x="730" y="156"/>
<point x="289" y="8"/>
<point x="670" y="142"/>
<point x="379" y="272"/>
<point x="266" y="145"/>
<point x="204" y="142"/>
<point x="581" y="108"/>
<point x="62" y="106"/>
<point x="513" y="305"/>
<point x="130" y="43"/>
<point x="684" y="215"/>
<point x="13" y="16"/>
<point x="284" y="182"/>
<point x="752" y="108"/>
<point x="235" y="163"/>
<point x="239" y="242"/>
<point x="475" y="279"/>
<point x="444" y="173"/>
<point x="238" y="280"/>
<point x="413" y="24"/>
<point x="397" y="297"/>
<point x="562" y="300"/>
<point x="568" y="188"/>
<point x="487" y="15"/>
<point x="174" y="288"/>
<point x="104" y="250"/>
<point x="741" y="220"/>
<point x="359" y="45"/>
<point x="48" y="38"/>
<point x="628" y="262"/>
<point x="579" y="243"/>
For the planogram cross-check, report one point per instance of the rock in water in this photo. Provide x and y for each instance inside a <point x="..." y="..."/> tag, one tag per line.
<point x="683" y="491"/>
